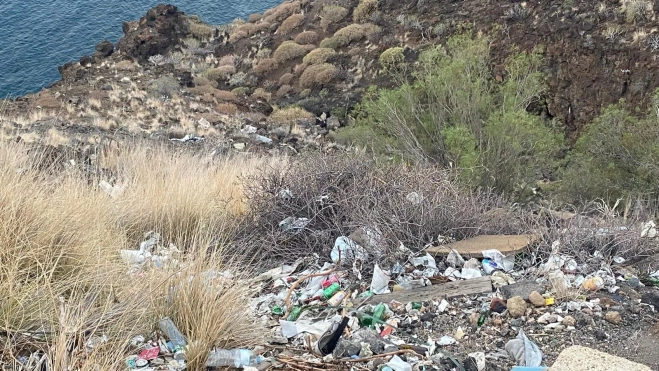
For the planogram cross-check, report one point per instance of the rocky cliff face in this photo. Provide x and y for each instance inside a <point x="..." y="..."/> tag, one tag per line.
<point x="171" y="74"/>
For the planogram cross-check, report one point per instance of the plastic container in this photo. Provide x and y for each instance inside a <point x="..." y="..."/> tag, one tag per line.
<point x="170" y="330"/>
<point x="378" y="314"/>
<point x="328" y="282"/>
<point x="336" y="299"/>
<point x="238" y="358"/>
<point x="331" y="290"/>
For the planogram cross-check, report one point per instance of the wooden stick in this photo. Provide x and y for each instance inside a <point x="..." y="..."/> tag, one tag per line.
<point x="381" y="356"/>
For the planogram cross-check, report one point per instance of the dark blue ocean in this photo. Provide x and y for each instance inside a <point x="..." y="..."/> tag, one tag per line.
<point x="38" y="36"/>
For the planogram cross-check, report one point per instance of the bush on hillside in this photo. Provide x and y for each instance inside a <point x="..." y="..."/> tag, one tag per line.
<point x="317" y="75"/>
<point x="454" y="115"/>
<point x="290" y="23"/>
<point x="364" y="9"/>
<point x="392" y="58"/>
<point x="331" y="14"/>
<point x="349" y="34"/>
<point x="616" y="157"/>
<point x="320" y="55"/>
<point x="307" y="37"/>
<point x="286" y="79"/>
<point x="290" y="50"/>
<point x="265" y="66"/>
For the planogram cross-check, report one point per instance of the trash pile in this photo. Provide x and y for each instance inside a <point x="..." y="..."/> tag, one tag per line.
<point x="440" y="311"/>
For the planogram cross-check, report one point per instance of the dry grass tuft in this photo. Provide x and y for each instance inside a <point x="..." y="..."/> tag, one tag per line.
<point x="208" y="305"/>
<point x="62" y="281"/>
<point x="291" y="115"/>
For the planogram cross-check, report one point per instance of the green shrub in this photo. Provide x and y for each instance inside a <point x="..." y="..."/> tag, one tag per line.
<point x="330" y="14"/>
<point x="290" y="50"/>
<point x="364" y="9"/>
<point x="455" y="115"/>
<point x="318" y="74"/>
<point x="320" y="55"/>
<point x="392" y="58"/>
<point x="615" y="157"/>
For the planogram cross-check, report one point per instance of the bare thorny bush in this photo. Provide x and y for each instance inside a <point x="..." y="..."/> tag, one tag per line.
<point x="341" y="194"/>
<point x="412" y="205"/>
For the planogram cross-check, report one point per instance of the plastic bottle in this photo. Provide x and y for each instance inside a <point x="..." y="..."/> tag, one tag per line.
<point x="170" y="330"/>
<point x="331" y="290"/>
<point x="237" y="358"/>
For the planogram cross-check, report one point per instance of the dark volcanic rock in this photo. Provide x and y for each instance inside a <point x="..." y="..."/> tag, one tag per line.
<point x="161" y="28"/>
<point x="104" y="49"/>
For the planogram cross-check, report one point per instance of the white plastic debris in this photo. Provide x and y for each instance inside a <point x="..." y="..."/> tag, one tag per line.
<point x="454" y="259"/>
<point x="350" y="250"/>
<point x="262" y="139"/>
<point x="292" y="224"/>
<point x="248" y="129"/>
<point x="649" y="230"/>
<point x="502" y="261"/>
<point x="446" y="340"/>
<point x="479" y="359"/>
<point x="397" y="364"/>
<point x="443" y="306"/>
<point x="285" y="194"/>
<point x="187" y="138"/>
<point x="380" y="281"/>
<point x="428" y="263"/>
<point x="471" y="269"/>
<point x="114" y="191"/>
<point x="524" y="351"/>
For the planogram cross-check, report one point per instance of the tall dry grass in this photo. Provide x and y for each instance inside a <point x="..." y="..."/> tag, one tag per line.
<point x="63" y="285"/>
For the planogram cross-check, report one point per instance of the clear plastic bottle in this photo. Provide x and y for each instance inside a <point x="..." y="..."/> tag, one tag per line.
<point x="238" y="358"/>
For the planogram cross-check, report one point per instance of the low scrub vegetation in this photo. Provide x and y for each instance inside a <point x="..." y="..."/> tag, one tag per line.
<point x="331" y="14"/>
<point x="320" y="55"/>
<point x="453" y="114"/>
<point x="290" y="50"/>
<point x="317" y="75"/>
<point x="349" y="34"/>
<point x="616" y="157"/>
